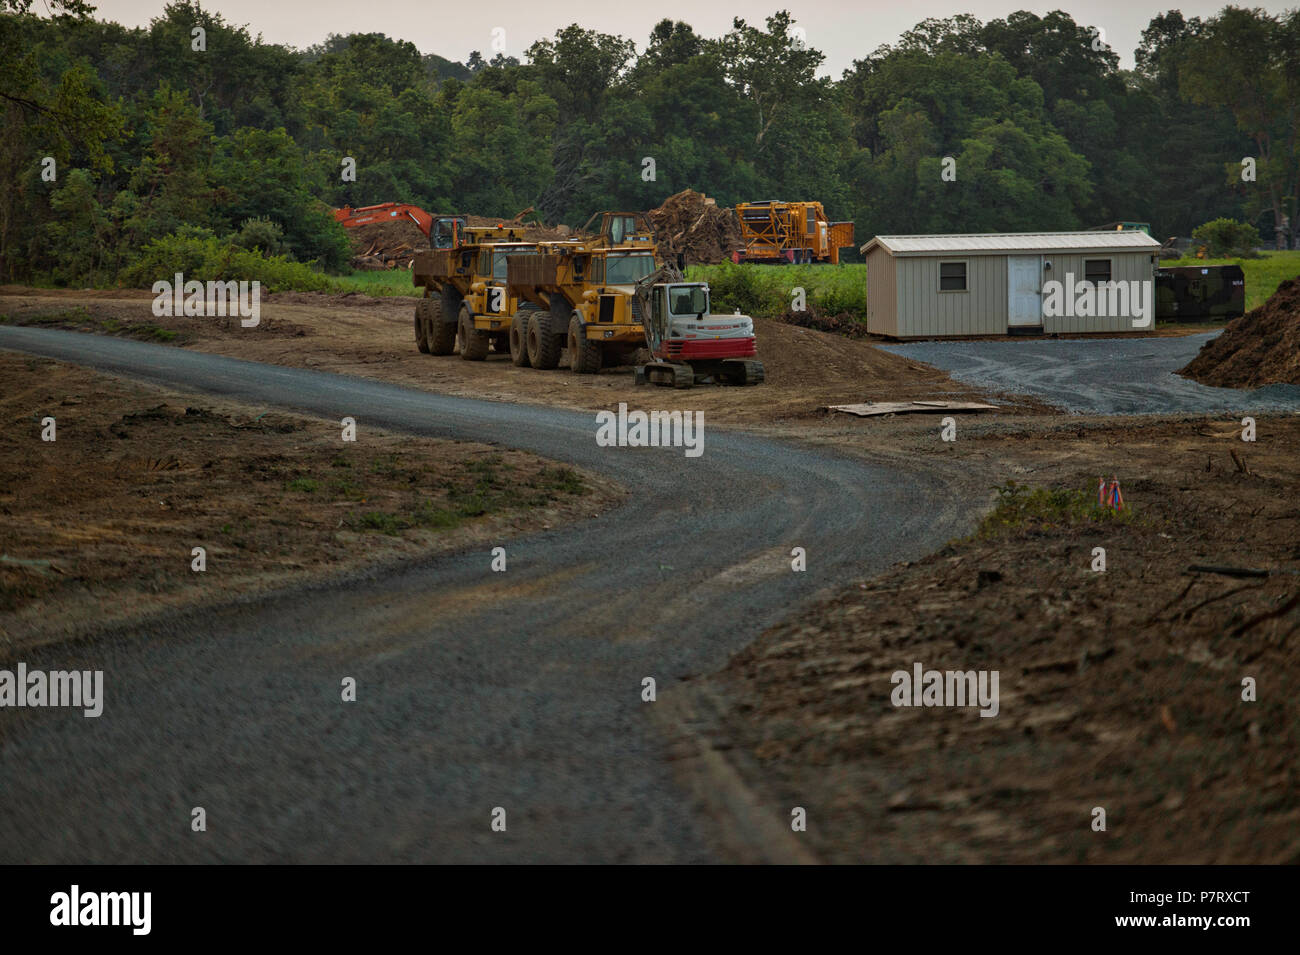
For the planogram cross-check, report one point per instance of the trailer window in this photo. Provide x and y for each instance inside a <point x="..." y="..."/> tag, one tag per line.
<point x="952" y="276"/>
<point x="628" y="269"/>
<point x="688" y="300"/>
<point x="1096" y="270"/>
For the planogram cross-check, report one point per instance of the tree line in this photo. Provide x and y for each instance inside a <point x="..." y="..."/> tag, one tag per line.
<point x="118" y="137"/>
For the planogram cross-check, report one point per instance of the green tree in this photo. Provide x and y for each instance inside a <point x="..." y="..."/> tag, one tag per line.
<point x="1249" y="62"/>
<point x="1225" y="238"/>
<point x="264" y="176"/>
<point x="53" y="106"/>
<point x="80" y="231"/>
<point x="174" y="178"/>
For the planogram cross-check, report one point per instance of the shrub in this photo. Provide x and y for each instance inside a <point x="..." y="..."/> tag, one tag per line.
<point x="1023" y="508"/>
<point x="211" y="259"/>
<point x="733" y="287"/>
<point x="1227" y="237"/>
<point x="261" y="235"/>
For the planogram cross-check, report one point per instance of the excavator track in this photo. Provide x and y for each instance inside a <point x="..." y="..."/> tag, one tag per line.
<point x="743" y="371"/>
<point x="668" y="374"/>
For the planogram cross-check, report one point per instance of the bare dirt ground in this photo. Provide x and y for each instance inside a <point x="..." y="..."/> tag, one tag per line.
<point x="374" y="337"/>
<point x="98" y="525"/>
<point x="1119" y="689"/>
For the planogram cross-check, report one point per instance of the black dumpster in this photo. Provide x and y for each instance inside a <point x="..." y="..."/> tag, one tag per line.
<point x="1192" y="293"/>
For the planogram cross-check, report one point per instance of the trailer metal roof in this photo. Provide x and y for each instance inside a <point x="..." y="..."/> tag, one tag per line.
<point x="994" y="243"/>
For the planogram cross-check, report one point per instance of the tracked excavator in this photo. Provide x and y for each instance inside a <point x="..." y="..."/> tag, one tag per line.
<point x="686" y="341"/>
<point x="444" y="232"/>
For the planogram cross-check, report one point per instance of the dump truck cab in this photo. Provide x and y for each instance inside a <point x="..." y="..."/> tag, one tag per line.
<point x="625" y="230"/>
<point x="488" y="299"/>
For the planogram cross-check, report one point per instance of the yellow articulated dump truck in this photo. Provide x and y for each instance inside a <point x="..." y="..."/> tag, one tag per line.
<point x="790" y="232"/>
<point x="465" y="309"/>
<point x="577" y="295"/>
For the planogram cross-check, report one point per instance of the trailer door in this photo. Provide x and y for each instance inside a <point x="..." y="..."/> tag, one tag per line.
<point x="1024" y="291"/>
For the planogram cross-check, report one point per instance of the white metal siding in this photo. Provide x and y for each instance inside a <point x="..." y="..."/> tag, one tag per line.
<point x="924" y="311"/>
<point x="1124" y="267"/>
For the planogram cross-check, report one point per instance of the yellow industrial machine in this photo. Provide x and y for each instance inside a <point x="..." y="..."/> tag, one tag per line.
<point x="794" y="232"/>
<point x="623" y="230"/>
<point x="464" y="307"/>
<point x="600" y="296"/>
<point x="577" y="294"/>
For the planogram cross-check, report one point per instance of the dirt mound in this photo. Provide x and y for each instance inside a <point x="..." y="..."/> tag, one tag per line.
<point x="1261" y="347"/>
<point x="392" y="243"/>
<point x="389" y="244"/>
<point x="842" y="324"/>
<point x="692" y="224"/>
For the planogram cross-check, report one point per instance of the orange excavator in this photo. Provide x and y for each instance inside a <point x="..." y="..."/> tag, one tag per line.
<point x="443" y="231"/>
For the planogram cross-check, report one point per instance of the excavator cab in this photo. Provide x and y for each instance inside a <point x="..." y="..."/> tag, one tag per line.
<point x="688" y="300"/>
<point x="446" y="232"/>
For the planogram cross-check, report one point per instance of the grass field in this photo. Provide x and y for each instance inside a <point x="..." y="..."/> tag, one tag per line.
<point x="392" y="282"/>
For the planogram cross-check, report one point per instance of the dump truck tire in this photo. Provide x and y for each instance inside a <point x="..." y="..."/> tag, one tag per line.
<point x="543" y="347"/>
<point x="584" y="356"/>
<point x="422" y="326"/>
<point x="441" y="334"/>
<point x="519" y="340"/>
<point x="473" y="343"/>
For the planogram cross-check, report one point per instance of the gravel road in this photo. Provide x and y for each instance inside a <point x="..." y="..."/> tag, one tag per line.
<point x="1097" y="376"/>
<point x="476" y="690"/>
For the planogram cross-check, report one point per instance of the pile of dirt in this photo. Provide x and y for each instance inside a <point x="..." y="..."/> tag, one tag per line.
<point x="845" y="323"/>
<point x="389" y="244"/>
<point x="392" y="243"/>
<point x="1261" y="347"/>
<point x="692" y="224"/>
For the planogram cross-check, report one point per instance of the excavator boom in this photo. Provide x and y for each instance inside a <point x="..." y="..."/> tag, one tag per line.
<point x="351" y="218"/>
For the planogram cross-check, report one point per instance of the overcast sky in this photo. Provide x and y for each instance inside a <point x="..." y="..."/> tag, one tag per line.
<point x="844" y="30"/>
